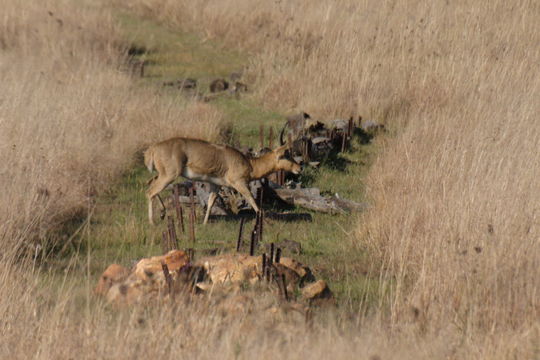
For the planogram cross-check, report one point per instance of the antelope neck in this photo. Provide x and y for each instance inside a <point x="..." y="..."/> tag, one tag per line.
<point x="262" y="166"/>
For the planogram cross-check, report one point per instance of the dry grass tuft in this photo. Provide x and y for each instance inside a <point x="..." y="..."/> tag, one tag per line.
<point x="454" y="229"/>
<point x="71" y="120"/>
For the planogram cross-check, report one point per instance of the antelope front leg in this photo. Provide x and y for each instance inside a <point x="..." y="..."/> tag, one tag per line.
<point x="150" y="210"/>
<point x="211" y="199"/>
<point x="244" y="190"/>
<point x="163" y="209"/>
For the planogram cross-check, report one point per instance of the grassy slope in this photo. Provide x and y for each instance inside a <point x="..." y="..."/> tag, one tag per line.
<point x="118" y="230"/>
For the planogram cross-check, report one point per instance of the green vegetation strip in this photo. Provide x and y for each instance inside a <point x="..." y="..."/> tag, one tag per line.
<point x="118" y="231"/>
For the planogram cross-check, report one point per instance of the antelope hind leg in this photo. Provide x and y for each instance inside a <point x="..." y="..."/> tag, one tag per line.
<point x="211" y="199"/>
<point x="155" y="188"/>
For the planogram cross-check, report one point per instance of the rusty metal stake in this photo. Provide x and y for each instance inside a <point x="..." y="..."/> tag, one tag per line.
<point x="178" y="207"/>
<point x="271" y="137"/>
<point x="264" y="266"/>
<point x="284" y="285"/>
<point x="252" y="243"/>
<point x="343" y="140"/>
<point x="192" y="218"/>
<point x="173" y="239"/>
<point x="270" y="262"/>
<point x="260" y="227"/>
<point x="260" y="195"/>
<point x="239" y="241"/>
<point x="278" y="255"/>
<point x="165" y="242"/>
<point x="191" y="254"/>
<point x="308" y="150"/>
<point x="261" y="136"/>
<point x="192" y="201"/>
<point x="168" y="277"/>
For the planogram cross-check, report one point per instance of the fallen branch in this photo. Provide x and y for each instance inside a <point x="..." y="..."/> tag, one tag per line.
<point x="311" y="198"/>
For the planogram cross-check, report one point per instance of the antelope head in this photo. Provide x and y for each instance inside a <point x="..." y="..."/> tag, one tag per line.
<point x="284" y="160"/>
<point x="275" y="160"/>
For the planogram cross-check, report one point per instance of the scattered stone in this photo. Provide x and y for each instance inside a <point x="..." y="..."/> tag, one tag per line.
<point x="340" y="124"/>
<point x="113" y="274"/>
<point x="292" y="278"/>
<point x="218" y="85"/>
<point x="296" y="124"/>
<point x="129" y="292"/>
<point x="371" y="126"/>
<point x="234" y="268"/>
<point x="239" y="87"/>
<point x="222" y="275"/>
<point x="182" y="84"/>
<point x="318" y="292"/>
<point x="151" y="268"/>
<point x="235" y="76"/>
<point x="303" y="272"/>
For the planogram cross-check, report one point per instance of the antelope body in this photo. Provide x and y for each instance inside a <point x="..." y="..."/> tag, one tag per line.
<point x="218" y="165"/>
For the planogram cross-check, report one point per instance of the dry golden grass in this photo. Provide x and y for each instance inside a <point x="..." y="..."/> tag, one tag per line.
<point x="454" y="229"/>
<point x="71" y="121"/>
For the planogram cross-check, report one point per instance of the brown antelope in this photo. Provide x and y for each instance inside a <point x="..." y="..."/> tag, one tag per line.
<point x="218" y="165"/>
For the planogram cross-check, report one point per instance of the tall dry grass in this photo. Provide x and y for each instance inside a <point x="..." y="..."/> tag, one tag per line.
<point x="453" y="231"/>
<point x="70" y="120"/>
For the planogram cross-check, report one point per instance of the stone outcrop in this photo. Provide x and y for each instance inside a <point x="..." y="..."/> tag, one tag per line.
<point x="222" y="275"/>
<point x="317" y="293"/>
<point x="151" y="269"/>
<point x="112" y="275"/>
<point x="143" y="282"/>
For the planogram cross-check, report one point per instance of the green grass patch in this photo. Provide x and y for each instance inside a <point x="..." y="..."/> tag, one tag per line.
<point x="118" y="230"/>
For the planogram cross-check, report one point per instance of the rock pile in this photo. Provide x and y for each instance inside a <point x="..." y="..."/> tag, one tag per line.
<point x="164" y="277"/>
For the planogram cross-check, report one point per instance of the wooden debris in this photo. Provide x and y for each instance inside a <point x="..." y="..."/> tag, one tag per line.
<point x="311" y="198"/>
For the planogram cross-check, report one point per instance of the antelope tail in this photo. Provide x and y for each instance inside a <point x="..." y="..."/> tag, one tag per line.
<point x="149" y="159"/>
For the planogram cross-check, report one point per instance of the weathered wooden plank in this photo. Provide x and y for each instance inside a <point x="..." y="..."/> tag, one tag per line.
<point x="310" y="198"/>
